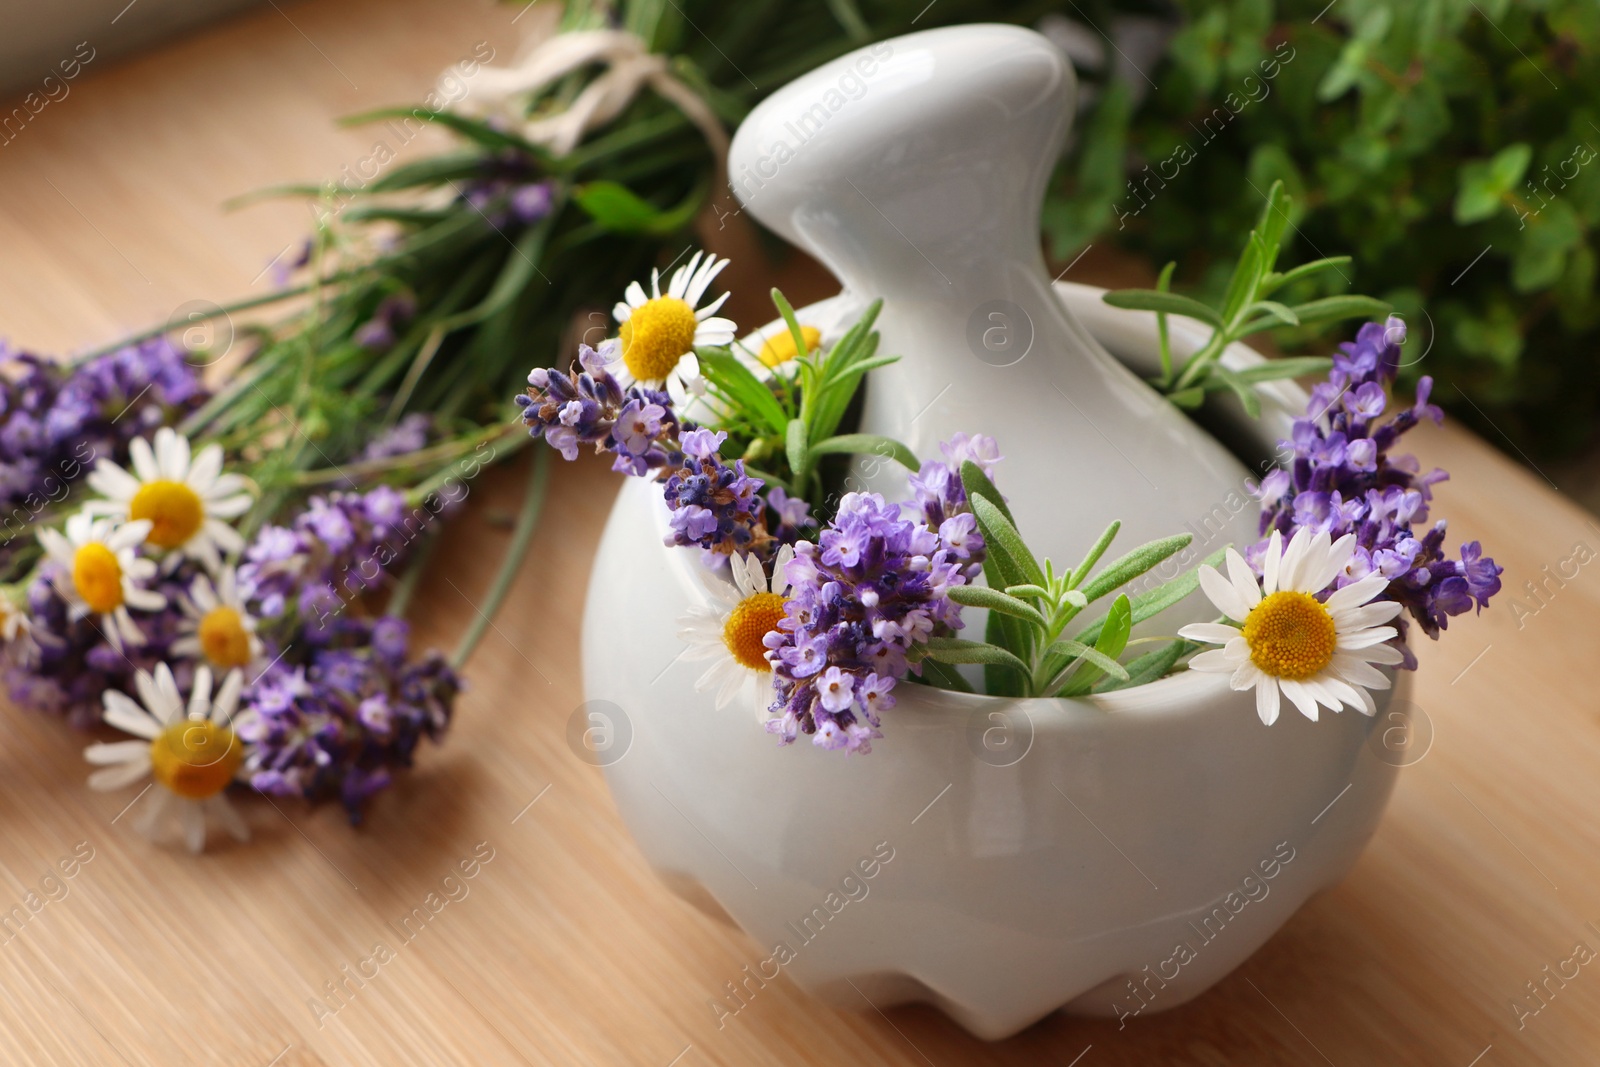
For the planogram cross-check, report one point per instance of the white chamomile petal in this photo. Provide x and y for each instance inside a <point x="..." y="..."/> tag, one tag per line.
<point x="1299" y="697"/>
<point x="1367" y="615"/>
<point x="102" y="753"/>
<point x="183" y="500"/>
<point x="1211" y="632"/>
<point x="1221" y="593"/>
<point x="1214" y="660"/>
<point x="193" y="759"/>
<point x="1244" y="582"/>
<point x="1357" y="593"/>
<point x="1272" y="563"/>
<point x="1374" y="635"/>
<point x="730" y="633"/>
<point x="123" y="774"/>
<point x="1291" y="645"/>
<point x="1267" y="701"/>
<point x="144" y="460"/>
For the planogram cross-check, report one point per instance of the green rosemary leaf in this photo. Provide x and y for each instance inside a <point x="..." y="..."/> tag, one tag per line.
<point x="1154" y="601"/>
<point x="1276" y="310"/>
<point x="1135" y="563"/>
<point x="977" y="484"/>
<point x="1151" y="666"/>
<point x="997" y="529"/>
<point x="1276" y="369"/>
<point x="1243" y="390"/>
<point x="1099" y="549"/>
<point x="1113" y="638"/>
<point x="868" y="444"/>
<point x="978" y="596"/>
<point x="795" y="442"/>
<point x="1273" y="282"/>
<point x="752" y="398"/>
<point x="955" y="650"/>
<point x="1166" y="303"/>
<point x="944" y="676"/>
<point x="1077" y="650"/>
<point x="620" y="210"/>
<point x="1334" y="308"/>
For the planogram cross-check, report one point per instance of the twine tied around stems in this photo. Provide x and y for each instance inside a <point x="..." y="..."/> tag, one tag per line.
<point x="630" y="67"/>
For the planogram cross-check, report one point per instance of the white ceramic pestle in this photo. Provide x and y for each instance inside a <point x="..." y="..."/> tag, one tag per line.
<point x="914" y="169"/>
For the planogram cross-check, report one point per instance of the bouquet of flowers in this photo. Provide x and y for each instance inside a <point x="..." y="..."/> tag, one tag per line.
<point x="828" y="599"/>
<point x="147" y="584"/>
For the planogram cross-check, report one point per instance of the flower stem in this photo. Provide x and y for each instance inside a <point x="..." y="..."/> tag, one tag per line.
<point x="527" y="521"/>
<point x="222" y="311"/>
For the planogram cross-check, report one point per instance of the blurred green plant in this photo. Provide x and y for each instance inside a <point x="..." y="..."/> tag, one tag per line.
<point x="1448" y="145"/>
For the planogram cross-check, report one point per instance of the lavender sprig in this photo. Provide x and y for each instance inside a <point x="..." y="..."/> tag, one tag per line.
<point x="715" y="506"/>
<point x="1343" y="479"/>
<point x="870" y="590"/>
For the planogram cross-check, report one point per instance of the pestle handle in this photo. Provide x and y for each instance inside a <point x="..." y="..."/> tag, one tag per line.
<point x="917" y="162"/>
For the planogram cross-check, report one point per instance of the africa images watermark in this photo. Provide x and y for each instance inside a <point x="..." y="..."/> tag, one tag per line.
<point x="804" y="125"/>
<point x="1552" y="980"/>
<point x="52" y="890"/>
<point x="53" y="89"/>
<point x="454" y="87"/>
<point x="853" y="888"/>
<point x="340" y="991"/>
<point x="1252" y="889"/>
<point x="1210" y="128"/>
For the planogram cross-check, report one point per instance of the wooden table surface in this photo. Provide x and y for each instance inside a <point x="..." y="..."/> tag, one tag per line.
<point x="564" y="948"/>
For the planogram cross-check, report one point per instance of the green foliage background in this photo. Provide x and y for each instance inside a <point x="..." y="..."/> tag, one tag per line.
<point x="1452" y="147"/>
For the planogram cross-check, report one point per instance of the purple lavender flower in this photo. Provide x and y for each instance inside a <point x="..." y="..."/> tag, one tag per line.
<point x="56" y="421"/>
<point x="721" y="507"/>
<point x="588" y="407"/>
<point x="510" y="192"/>
<point x="715" y="506"/>
<point x="1342" y="479"/>
<point x="410" y="434"/>
<point x="792" y="515"/>
<point x="336" y="719"/>
<point x="382" y="330"/>
<point x="871" y="588"/>
<point x="340" y="547"/>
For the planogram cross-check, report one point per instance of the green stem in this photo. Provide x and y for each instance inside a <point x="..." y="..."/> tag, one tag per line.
<point x="527" y="521"/>
<point x="166" y="327"/>
<point x="444" y="451"/>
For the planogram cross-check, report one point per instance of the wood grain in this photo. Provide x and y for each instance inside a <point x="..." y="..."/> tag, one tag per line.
<point x="564" y="949"/>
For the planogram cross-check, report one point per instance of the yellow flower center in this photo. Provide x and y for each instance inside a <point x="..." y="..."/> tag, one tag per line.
<point x="195" y="758"/>
<point x="173" y="509"/>
<point x="656" y="336"/>
<point x="1291" y="635"/>
<point x="752" y="619"/>
<point x="97" y="576"/>
<point x="779" y="348"/>
<point x="224" y="639"/>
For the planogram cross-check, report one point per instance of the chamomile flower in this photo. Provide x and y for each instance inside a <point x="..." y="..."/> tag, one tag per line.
<point x="185" y="502"/>
<point x="778" y="347"/>
<point x="101" y="574"/>
<point x="216" y="624"/>
<point x="661" y="330"/>
<point x="191" y="753"/>
<point x="733" y="632"/>
<point x="1286" y="640"/>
